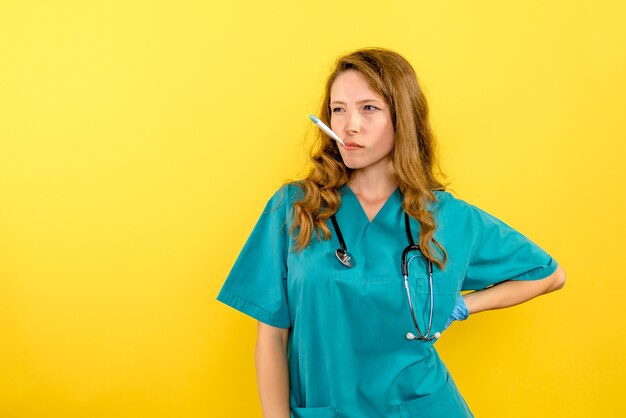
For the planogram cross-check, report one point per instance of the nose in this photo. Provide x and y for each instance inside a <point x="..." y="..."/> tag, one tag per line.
<point x="353" y="122"/>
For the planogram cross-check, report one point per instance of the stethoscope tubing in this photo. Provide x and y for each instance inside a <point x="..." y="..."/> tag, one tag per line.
<point x="347" y="260"/>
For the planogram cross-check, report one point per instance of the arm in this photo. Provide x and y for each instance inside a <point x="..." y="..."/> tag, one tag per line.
<point x="272" y="370"/>
<point x="511" y="292"/>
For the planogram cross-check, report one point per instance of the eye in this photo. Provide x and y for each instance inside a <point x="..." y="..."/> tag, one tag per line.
<point x="335" y="109"/>
<point x="370" y="107"/>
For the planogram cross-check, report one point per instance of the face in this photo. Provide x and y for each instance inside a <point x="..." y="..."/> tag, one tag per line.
<point x="363" y="121"/>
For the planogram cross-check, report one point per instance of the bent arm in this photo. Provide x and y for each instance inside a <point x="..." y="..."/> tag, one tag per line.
<point x="512" y="292"/>
<point x="272" y="370"/>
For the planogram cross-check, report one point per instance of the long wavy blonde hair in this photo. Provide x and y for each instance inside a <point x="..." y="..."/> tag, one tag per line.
<point x="413" y="156"/>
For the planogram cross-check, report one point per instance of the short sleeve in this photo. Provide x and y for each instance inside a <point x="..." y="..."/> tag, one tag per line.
<point x="256" y="284"/>
<point x="501" y="253"/>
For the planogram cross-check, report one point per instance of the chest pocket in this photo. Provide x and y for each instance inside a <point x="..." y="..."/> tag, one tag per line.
<point x="445" y="289"/>
<point x="444" y="282"/>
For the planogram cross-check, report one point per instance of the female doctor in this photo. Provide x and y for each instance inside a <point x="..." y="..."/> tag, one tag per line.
<point x="354" y="272"/>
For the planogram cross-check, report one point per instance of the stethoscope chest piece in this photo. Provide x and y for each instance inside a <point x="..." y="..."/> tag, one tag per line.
<point x="345" y="258"/>
<point x="342" y="253"/>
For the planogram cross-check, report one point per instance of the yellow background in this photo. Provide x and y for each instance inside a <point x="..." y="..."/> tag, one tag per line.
<point x="139" y="142"/>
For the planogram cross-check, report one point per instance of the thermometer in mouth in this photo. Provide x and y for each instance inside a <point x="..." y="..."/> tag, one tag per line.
<point x="326" y="129"/>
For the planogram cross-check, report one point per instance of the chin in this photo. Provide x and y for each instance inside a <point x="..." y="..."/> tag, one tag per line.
<point x="352" y="165"/>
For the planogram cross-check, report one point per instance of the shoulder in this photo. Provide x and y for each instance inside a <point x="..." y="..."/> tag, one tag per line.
<point x="454" y="209"/>
<point x="287" y="194"/>
<point x="449" y="203"/>
<point x="281" y="202"/>
<point x="459" y="213"/>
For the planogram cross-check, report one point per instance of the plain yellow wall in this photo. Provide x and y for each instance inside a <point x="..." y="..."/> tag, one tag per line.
<point x="139" y="142"/>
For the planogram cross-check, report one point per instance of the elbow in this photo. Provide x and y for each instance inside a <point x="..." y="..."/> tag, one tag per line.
<point x="558" y="281"/>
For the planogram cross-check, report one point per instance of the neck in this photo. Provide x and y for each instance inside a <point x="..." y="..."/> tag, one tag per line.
<point x="374" y="181"/>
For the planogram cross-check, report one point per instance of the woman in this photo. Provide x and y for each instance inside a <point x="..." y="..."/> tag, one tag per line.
<point x="340" y="336"/>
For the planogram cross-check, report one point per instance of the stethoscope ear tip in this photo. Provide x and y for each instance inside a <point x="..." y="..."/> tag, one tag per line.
<point x="410" y="336"/>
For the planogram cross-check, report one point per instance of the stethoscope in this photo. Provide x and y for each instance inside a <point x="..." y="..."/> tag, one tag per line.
<point x="347" y="260"/>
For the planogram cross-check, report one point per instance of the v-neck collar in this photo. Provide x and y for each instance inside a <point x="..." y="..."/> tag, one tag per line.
<point x="395" y="196"/>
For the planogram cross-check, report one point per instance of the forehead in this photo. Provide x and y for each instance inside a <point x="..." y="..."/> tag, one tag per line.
<point x="352" y="86"/>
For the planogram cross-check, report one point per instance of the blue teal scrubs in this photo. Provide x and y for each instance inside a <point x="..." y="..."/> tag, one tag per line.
<point x="348" y="354"/>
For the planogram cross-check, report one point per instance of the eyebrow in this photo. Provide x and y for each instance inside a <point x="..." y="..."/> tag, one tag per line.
<point x="359" y="102"/>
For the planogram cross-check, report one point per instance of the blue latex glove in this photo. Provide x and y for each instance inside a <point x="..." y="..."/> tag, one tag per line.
<point x="459" y="312"/>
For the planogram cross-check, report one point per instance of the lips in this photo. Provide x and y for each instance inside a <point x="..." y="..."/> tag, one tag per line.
<point x="350" y="144"/>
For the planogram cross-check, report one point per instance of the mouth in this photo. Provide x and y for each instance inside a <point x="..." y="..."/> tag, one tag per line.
<point x="352" y="145"/>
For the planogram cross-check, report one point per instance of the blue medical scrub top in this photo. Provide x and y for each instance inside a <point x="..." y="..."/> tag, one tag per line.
<point x="348" y="353"/>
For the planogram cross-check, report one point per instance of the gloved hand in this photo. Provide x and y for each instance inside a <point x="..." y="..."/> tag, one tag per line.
<point x="459" y="312"/>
